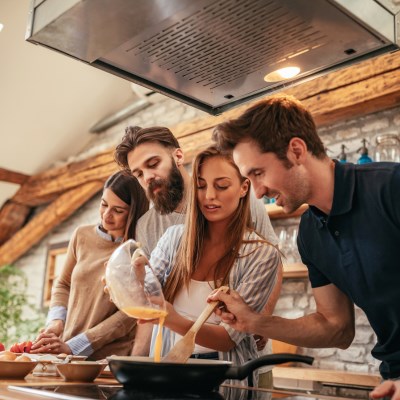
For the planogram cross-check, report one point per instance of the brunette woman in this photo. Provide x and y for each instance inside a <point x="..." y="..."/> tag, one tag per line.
<point x="81" y="319"/>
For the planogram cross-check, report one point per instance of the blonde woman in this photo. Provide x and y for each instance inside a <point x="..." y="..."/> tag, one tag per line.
<point x="216" y="246"/>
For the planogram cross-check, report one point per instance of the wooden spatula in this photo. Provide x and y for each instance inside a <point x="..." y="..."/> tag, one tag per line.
<point x="183" y="349"/>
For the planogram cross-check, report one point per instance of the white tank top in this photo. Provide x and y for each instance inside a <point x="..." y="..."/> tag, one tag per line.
<point x="190" y="302"/>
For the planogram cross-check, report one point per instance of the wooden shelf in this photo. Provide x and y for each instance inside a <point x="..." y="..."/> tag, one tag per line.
<point x="295" y="270"/>
<point x="327" y="376"/>
<point x="276" y="212"/>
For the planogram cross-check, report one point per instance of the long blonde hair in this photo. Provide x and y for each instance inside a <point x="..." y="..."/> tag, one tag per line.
<point x="196" y="226"/>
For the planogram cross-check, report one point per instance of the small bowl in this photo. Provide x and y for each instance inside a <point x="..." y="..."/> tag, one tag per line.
<point x="83" y="371"/>
<point x="16" y="369"/>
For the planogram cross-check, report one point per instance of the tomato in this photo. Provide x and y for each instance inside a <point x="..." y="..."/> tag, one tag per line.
<point x="22" y="347"/>
<point x="2" y="348"/>
<point x="14" y="348"/>
<point x="28" y="346"/>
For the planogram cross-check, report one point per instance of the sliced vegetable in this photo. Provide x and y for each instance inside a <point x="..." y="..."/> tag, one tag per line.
<point x="22" y="347"/>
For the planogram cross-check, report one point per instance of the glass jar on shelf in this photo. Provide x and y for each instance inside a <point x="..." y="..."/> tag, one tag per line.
<point x="388" y="147"/>
<point x="288" y="243"/>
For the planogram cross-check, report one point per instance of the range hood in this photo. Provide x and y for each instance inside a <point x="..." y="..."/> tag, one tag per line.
<point x="214" y="54"/>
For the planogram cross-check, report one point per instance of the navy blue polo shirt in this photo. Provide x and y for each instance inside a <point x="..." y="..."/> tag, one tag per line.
<point x="357" y="248"/>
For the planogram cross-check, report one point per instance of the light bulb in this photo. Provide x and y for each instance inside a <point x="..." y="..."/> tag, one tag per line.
<point x="282" y="74"/>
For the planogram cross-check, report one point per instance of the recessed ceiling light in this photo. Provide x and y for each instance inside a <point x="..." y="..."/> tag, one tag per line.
<point x="282" y="74"/>
<point x="1" y="26"/>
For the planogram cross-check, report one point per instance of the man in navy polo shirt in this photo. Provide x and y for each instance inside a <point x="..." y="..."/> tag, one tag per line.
<point x="349" y="238"/>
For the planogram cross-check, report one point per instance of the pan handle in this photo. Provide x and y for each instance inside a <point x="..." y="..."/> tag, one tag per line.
<point x="270" y="359"/>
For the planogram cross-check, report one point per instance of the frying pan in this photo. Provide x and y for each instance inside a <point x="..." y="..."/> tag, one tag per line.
<point x="194" y="376"/>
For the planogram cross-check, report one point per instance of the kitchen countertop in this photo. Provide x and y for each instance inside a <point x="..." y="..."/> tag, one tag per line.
<point x="40" y="381"/>
<point x="109" y="388"/>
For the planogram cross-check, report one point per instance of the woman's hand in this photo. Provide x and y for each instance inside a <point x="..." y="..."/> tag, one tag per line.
<point x="171" y="313"/>
<point x="105" y="288"/>
<point x="139" y="263"/>
<point x="56" y="326"/>
<point x="261" y="342"/>
<point x="49" y="343"/>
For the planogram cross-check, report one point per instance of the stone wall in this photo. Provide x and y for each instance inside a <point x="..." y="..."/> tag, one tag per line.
<point x="296" y="298"/>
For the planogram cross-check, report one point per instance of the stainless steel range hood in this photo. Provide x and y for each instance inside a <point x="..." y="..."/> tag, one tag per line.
<point x="214" y="54"/>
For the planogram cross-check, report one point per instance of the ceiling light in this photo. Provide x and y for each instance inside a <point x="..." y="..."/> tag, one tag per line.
<point x="1" y="26"/>
<point x="282" y="74"/>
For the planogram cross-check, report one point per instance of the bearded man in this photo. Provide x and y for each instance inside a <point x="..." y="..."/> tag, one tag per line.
<point x="154" y="157"/>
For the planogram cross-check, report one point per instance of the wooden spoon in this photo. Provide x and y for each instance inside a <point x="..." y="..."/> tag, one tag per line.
<point x="183" y="349"/>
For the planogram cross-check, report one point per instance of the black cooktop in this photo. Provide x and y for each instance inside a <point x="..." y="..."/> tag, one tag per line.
<point x="112" y="392"/>
<point x="115" y="392"/>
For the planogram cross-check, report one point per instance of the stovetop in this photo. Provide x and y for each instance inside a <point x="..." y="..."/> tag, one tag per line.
<point x="109" y="392"/>
<point x="113" y="392"/>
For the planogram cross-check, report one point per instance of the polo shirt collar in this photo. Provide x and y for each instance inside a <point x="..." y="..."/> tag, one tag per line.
<point x="343" y="193"/>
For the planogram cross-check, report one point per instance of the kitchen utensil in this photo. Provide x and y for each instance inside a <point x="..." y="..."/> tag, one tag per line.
<point x="183" y="349"/>
<point x="67" y="359"/>
<point x="45" y="365"/>
<point x="16" y="369"/>
<point x="71" y="357"/>
<point x="136" y="291"/>
<point x="84" y="371"/>
<point x="192" y="377"/>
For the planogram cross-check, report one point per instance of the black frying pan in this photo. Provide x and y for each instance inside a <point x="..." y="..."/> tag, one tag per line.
<point x="194" y="376"/>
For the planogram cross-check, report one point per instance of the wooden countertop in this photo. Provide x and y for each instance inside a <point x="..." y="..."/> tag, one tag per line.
<point x="346" y="378"/>
<point x="293" y="374"/>
<point x="30" y="380"/>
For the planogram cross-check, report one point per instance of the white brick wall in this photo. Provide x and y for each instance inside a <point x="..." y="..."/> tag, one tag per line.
<point x="296" y="298"/>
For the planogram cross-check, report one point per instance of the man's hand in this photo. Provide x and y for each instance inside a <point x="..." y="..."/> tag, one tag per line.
<point x="236" y="312"/>
<point x="387" y="389"/>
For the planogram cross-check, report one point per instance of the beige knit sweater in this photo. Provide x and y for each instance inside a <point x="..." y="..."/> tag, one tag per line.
<point x="89" y="309"/>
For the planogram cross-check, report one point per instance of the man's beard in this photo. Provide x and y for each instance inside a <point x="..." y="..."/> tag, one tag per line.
<point x="170" y="192"/>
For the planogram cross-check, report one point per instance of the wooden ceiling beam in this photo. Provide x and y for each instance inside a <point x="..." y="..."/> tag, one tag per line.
<point x="48" y="185"/>
<point x="40" y="225"/>
<point x="9" y="176"/>
<point x="12" y="217"/>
